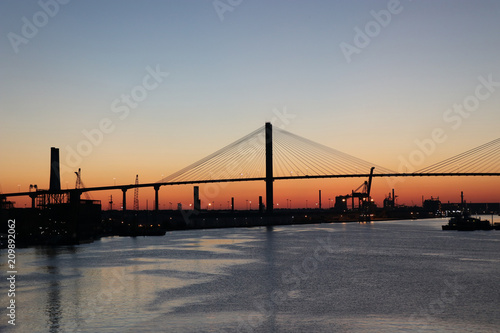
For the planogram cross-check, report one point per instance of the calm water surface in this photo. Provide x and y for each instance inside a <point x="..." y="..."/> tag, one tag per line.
<point x="399" y="276"/>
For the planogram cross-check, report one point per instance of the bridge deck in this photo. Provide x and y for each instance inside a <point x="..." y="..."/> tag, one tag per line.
<point x="159" y="184"/>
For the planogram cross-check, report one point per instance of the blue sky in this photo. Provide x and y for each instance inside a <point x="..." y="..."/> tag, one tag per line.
<point x="227" y="77"/>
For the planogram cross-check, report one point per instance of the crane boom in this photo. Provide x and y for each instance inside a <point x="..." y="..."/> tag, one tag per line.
<point x="79" y="183"/>
<point x="368" y="190"/>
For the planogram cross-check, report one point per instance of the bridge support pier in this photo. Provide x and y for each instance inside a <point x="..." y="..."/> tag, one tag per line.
<point x="124" y="190"/>
<point x="33" y="200"/>
<point x="157" y="188"/>
<point x="196" y="199"/>
<point x="269" y="168"/>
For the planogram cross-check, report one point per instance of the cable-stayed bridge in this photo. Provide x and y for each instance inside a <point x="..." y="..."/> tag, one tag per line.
<point x="269" y="154"/>
<point x="292" y="157"/>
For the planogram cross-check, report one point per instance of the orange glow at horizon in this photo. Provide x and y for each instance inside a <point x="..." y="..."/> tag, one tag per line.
<point x="302" y="193"/>
<point x="106" y="170"/>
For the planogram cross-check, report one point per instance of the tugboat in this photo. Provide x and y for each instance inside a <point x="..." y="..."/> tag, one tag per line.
<point x="462" y="221"/>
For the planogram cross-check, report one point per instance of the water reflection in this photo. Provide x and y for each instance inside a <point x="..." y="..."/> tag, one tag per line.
<point x="270" y="279"/>
<point x="225" y="280"/>
<point x="53" y="307"/>
<point x="52" y="277"/>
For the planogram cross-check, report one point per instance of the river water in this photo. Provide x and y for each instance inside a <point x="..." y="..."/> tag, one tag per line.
<point x="395" y="276"/>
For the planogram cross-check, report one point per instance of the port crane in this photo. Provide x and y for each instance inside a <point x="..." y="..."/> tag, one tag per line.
<point x="79" y="184"/>
<point x="363" y="193"/>
<point x="363" y="196"/>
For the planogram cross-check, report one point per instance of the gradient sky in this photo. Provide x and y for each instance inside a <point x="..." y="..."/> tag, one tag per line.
<point x="228" y="73"/>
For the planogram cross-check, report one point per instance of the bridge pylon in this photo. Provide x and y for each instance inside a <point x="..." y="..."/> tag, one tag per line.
<point x="269" y="168"/>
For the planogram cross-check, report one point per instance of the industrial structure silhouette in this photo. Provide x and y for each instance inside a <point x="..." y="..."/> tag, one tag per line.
<point x="270" y="154"/>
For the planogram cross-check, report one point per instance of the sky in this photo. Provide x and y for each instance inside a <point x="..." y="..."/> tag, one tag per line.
<point x="148" y="87"/>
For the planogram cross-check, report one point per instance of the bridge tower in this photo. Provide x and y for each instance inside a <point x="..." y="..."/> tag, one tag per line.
<point x="269" y="168"/>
